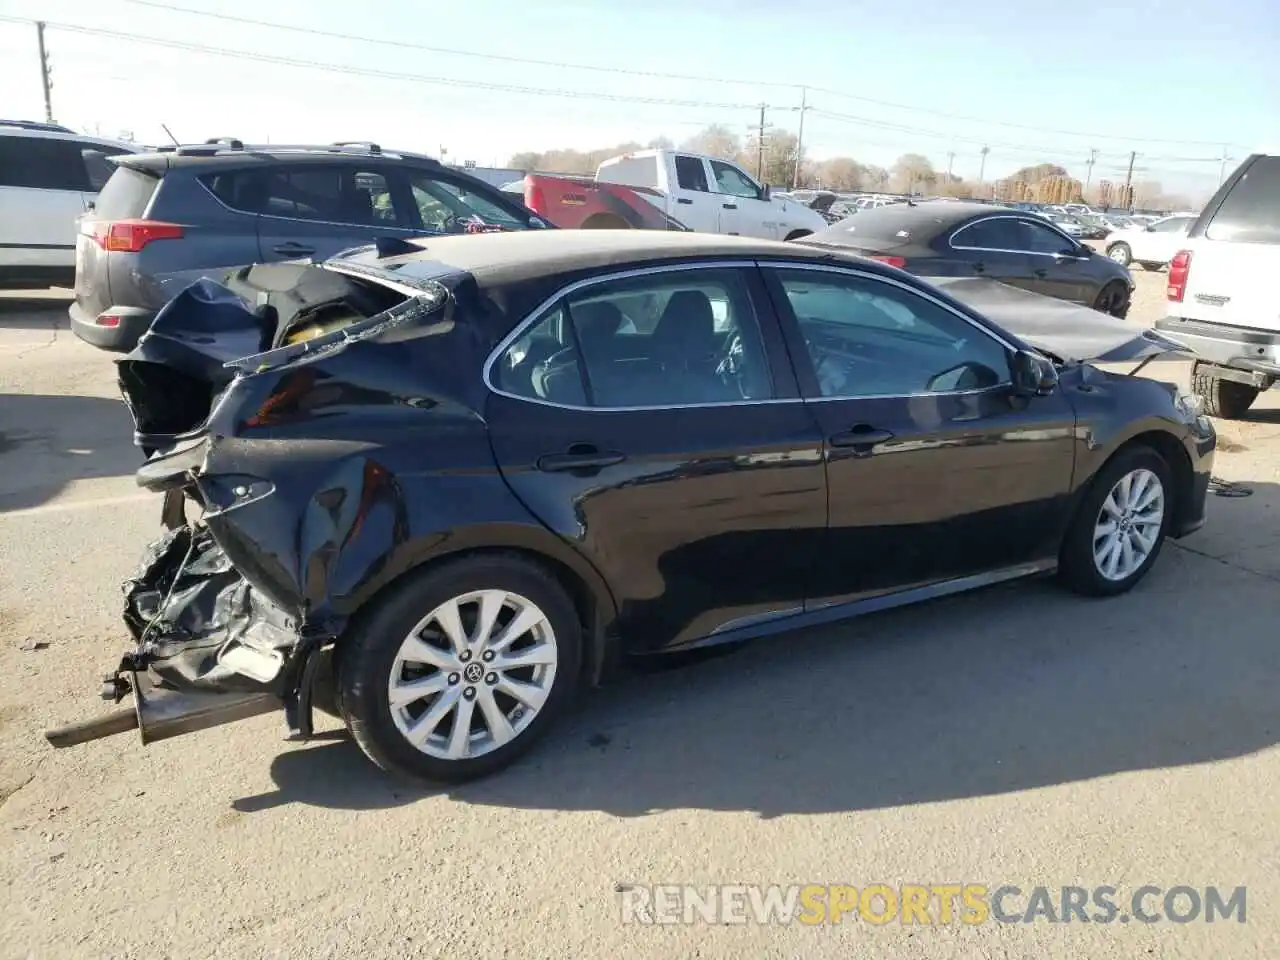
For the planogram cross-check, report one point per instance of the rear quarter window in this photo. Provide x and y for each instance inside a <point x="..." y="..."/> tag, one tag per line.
<point x="126" y="195"/>
<point x="1250" y="212"/>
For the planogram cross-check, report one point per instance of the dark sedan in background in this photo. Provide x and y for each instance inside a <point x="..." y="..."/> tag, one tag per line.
<point x="470" y="473"/>
<point x="975" y="239"/>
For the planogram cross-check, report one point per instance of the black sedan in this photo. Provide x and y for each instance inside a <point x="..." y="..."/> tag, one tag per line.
<point x="450" y="481"/>
<point x="934" y="239"/>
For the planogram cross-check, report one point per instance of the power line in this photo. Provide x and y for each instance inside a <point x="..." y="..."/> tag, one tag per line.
<point x="383" y="74"/>
<point x="563" y="65"/>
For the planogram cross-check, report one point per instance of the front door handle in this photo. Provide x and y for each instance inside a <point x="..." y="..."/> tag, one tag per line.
<point x="580" y="456"/>
<point x="683" y="200"/>
<point x="1041" y="274"/>
<point x="730" y="206"/>
<point x="292" y="249"/>
<point x="861" y="439"/>
<point x="979" y="266"/>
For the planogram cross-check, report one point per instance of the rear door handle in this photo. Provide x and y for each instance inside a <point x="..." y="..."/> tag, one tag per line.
<point x="731" y="206"/>
<point x="683" y="200"/>
<point x="861" y="439"/>
<point x="292" y="249"/>
<point x="580" y="456"/>
<point x="1041" y="273"/>
<point x="978" y="266"/>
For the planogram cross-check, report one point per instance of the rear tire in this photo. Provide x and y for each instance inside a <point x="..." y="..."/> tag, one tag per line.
<point x="1114" y="538"/>
<point x="402" y="649"/>
<point x="1120" y="253"/>
<point x="1222" y="398"/>
<point x="1152" y="266"/>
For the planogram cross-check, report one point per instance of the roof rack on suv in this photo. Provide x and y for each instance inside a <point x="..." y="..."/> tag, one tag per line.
<point x="36" y="125"/>
<point x="367" y="144"/>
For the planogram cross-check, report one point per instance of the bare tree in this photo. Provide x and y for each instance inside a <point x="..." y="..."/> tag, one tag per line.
<point x="913" y="171"/>
<point x="716" y="140"/>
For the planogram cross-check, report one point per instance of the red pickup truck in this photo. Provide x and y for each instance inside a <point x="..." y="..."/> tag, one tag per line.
<point x="586" y="203"/>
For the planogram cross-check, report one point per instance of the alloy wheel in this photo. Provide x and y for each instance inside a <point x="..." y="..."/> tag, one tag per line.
<point x="1128" y="526"/>
<point x="473" y="674"/>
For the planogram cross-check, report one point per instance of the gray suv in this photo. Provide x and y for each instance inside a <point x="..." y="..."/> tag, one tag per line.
<point x="167" y="218"/>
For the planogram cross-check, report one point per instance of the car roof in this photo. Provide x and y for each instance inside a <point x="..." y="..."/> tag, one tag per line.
<point x="515" y="256"/>
<point x="214" y="155"/>
<point x="923" y="221"/>
<point x="45" y="133"/>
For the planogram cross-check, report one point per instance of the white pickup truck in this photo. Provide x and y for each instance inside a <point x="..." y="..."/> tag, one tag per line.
<point x="650" y="188"/>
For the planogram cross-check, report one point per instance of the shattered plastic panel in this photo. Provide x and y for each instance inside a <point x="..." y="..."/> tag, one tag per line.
<point x="186" y="603"/>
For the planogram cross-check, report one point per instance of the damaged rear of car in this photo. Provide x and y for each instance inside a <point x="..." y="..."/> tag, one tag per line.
<point x="305" y="423"/>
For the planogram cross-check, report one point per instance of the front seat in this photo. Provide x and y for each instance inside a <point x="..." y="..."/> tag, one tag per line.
<point x="684" y="340"/>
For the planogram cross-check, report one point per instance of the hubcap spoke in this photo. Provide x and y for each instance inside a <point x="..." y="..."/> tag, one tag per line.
<point x="426" y="725"/>
<point x="528" y="657"/>
<point x="460" y="738"/>
<point x="530" y="694"/>
<point x="500" y="729"/>
<point x="417" y="650"/>
<point x="524" y="621"/>
<point x="450" y="620"/>
<point x="403" y="694"/>
<point x="491" y="603"/>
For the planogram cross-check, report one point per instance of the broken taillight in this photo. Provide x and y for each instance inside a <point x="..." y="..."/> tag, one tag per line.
<point x="1179" y="270"/>
<point x="130" y="236"/>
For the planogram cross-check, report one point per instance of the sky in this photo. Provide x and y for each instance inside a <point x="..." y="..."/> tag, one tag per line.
<point x="1180" y="83"/>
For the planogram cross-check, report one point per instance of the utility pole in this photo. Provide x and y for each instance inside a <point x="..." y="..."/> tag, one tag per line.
<point x="46" y="80"/>
<point x="1093" y="158"/>
<point x="1128" y="181"/>
<point x="760" y="146"/>
<point x="950" y="157"/>
<point x="804" y="105"/>
<point x="982" y="167"/>
<point x="1222" y="167"/>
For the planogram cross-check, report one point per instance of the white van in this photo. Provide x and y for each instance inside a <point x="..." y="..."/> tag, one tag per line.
<point x="49" y="175"/>
<point x="1222" y="303"/>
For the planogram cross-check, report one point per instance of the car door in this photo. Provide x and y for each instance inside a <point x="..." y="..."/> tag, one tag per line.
<point x="1059" y="266"/>
<point x="650" y="418"/>
<point x="988" y="247"/>
<point x="934" y="470"/>
<point x="317" y="210"/>
<point x="42" y="180"/>
<point x="695" y="205"/>
<point x="741" y="206"/>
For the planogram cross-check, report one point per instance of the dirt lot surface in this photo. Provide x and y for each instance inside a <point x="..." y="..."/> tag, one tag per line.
<point x="1018" y="735"/>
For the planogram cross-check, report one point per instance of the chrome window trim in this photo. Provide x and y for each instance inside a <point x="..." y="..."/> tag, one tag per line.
<point x="1026" y="253"/>
<point x="538" y="314"/>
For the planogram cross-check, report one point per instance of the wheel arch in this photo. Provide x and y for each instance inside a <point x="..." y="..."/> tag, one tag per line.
<point x="797" y="234"/>
<point x="590" y="594"/>
<point x="605" y="221"/>
<point x="1170" y="450"/>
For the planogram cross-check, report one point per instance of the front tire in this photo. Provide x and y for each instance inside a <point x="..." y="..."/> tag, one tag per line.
<point x="459" y="670"/>
<point x="1120" y="524"/>
<point x="1120" y="253"/>
<point x="1222" y="398"/>
<point x="1113" y="299"/>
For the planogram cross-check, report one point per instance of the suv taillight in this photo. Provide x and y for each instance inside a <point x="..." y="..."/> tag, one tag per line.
<point x="130" y="236"/>
<point x="1179" y="268"/>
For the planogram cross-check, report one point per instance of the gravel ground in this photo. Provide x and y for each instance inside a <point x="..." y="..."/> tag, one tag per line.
<point x="1019" y="735"/>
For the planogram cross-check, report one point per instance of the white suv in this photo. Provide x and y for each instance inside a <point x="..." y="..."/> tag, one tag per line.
<point x="49" y="175"/>
<point x="1222" y="303"/>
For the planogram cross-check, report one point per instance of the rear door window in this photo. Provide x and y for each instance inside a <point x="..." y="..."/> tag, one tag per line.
<point x="998" y="234"/>
<point x="42" y="163"/>
<point x="691" y="174"/>
<point x="1250" y="212"/>
<point x="97" y="167"/>
<point x="337" y="194"/>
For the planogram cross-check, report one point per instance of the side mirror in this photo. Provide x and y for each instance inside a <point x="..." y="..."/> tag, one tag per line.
<point x="1033" y="375"/>
<point x="1149" y="229"/>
